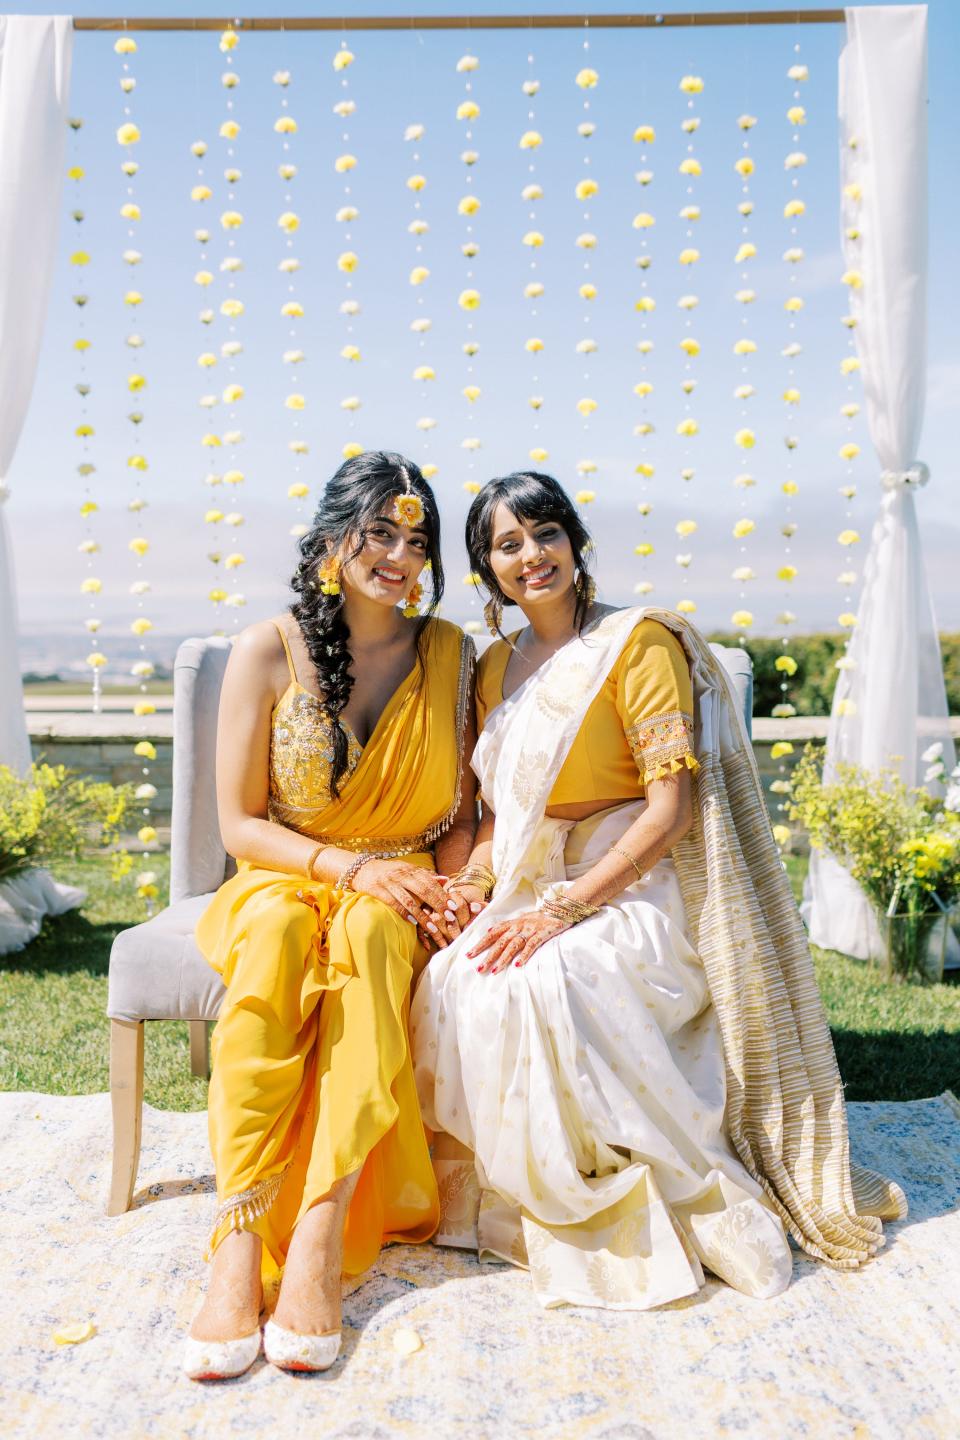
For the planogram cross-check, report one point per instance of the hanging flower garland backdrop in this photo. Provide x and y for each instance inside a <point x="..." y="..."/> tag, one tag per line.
<point x="697" y="436"/>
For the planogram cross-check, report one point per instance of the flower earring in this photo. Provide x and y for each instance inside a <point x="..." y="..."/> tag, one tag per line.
<point x="329" y="575"/>
<point x="411" y="606"/>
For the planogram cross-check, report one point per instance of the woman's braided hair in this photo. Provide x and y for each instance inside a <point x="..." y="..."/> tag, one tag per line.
<point x="352" y="499"/>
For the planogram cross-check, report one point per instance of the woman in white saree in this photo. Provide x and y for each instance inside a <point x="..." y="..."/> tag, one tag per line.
<point x="625" y="1057"/>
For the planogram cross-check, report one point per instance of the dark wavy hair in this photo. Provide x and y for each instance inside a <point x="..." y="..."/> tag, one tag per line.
<point x="352" y="499"/>
<point x="533" y="497"/>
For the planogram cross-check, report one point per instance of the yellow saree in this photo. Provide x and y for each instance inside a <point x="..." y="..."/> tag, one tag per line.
<point x="312" y="1077"/>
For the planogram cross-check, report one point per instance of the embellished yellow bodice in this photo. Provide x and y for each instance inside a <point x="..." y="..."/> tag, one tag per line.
<point x="401" y="789"/>
<point x="301" y="752"/>
<point x="637" y="729"/>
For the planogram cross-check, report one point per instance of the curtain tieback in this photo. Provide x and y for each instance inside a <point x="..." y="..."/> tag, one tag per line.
<point x="912" y="478"/>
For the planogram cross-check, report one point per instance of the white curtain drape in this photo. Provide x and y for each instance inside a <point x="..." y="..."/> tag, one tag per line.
<point x="35" y="54"/>
<point x="890" y="703"/>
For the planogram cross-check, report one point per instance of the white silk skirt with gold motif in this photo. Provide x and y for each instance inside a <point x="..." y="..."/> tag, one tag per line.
<point x="579" y="1102"/>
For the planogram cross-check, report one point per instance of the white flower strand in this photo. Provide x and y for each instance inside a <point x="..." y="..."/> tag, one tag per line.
<point x="744" y="348"/>
<point x="420" y="325"/>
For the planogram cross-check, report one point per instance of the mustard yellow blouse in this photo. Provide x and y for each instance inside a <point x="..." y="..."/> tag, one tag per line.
<point x="638" y="728"/>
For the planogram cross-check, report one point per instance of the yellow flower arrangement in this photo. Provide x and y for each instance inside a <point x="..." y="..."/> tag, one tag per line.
<point x="343" y="58"/>
<point x="139" y="545"/>
<point x="793" y="304"/>
<point x="534" y="239"/>
<point x="141" y="625"/>
<point x="419" y="274"/>
<point x="468" y="110"/>
<point x="847" y="620"/>
<point x="469" y="205"/>
<point x="791" y="395"/>
<point x="534" y="345"/>
<point x="745" y="166"/>
<point x="645" y="135"/>
<point x="745" y="438"/>
<point x="691" y="85"/>
<point x="344" y="163"/>
<point x="585" y="497"/>
<point x="292" y="309"/>
<point x="646" y="305"/>
<point x="531" y="140"/>
<point x="231" y="219"/>
<point x="128" y="134"/>
<point x="742" y="619"/>
<point x="797" y="115"/>
<point x="690" y="212"/>
<point x="587" y="79"/>
<point x="688" y="427"/>
<point x="849" y="451"/>
<point x="229" y="130"/>
<point x="793" y="208"/>
<point x="348" y="262"/>
<point x="746" y="251"/>
<point x="285" y="125"/>
<point x="744" y="347"/>
<point x="643" y="549"/>
<point x="849" y="364"/>
<point x="586" y="406"/>
<point x="746" y="122"/>
<point x="643" y="388"/>
<point x="743" y="527"/>
<point x="689" y="256"/>
<point x="91" y="586"/>
<point x="586" y="188"/>
<point x="786" y="665"/>
<point x="538" y="454"/>
<point x="297" y="491"/>
<point x="848" y="537"/>
<point x="295" y="402"/>
<point x="467" y="64"/>
<point x="690" y="167"/>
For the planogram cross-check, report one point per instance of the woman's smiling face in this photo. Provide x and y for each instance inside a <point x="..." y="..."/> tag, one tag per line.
<point x="390" y="561"/>
<point x="532" y="560"/>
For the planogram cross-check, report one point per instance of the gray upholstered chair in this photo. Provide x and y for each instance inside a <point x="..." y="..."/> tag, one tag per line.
<point x="156" y="970"/>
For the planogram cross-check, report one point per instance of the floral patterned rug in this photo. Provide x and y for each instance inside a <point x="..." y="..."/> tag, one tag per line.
<point x="860" y="1356"/>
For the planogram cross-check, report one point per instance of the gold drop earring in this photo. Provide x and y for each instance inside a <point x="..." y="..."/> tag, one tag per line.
<point x="411" y="607"/>
<point x="493" y="613"/>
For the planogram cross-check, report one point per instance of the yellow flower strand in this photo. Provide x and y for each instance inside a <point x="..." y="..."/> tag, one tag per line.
<point x="128" y="135"/>
<point x="584" y="191"/>
<point x="232" y="392"/>
<point x="285" y="126"/>
<point x="533" y="291"/>
<point x="688" y="258"/>
<point x="744" y="348"/>
<point x="643" y="135"/>
<point x="468" y="208"/>
<point x="89" y="546"/>
<point x="349" y="261"/>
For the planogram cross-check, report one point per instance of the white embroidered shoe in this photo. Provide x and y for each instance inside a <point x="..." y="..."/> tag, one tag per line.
<point x="220" y="1359"/>
<point x="290" y="1351"/>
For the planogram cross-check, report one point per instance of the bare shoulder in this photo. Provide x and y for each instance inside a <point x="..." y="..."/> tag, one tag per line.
<point x="258" y="655"/>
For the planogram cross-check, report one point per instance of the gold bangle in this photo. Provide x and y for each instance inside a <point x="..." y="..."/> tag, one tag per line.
<point x="313" y="860"/>
<point x="616" y="850"/>
<point x="481" y="877"/>
<point x="571" y="912"/>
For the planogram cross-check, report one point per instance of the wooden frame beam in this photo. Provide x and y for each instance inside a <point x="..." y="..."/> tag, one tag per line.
<point x="652" y="21"/>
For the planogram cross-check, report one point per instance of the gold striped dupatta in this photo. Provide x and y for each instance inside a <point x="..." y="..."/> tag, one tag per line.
<point x="786" y="1115"/>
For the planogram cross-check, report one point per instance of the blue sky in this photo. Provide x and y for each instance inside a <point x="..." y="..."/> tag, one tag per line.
<point x="403" y="78"/>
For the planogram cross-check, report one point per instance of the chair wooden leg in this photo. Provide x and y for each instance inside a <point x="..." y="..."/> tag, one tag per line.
<point x="126" y="1099"/>
<point x="199" y="1048"/>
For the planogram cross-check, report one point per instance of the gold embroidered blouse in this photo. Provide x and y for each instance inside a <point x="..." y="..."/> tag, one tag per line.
<point x="638" y="728"/>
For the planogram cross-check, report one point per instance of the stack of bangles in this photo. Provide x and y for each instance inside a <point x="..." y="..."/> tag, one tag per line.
<point x="571" y="912"/>
<point x="477" y="877"/>
<point x="345" y="881"/>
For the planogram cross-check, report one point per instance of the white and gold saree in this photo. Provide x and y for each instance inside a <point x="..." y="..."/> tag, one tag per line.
<point x="656" y="1091"/>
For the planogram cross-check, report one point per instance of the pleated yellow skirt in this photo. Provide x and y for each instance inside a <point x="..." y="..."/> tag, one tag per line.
<point x="312" y="1076"/>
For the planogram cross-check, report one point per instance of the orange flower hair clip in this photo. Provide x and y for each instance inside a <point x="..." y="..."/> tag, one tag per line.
<point x="408" y="509"/>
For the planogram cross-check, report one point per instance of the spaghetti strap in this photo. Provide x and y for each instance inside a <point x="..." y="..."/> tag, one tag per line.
<point x="286" y="650"/>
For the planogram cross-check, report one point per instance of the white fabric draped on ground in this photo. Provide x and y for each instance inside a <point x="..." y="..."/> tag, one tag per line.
<point x="590" y="1084"/>
<point x="890" y="705"/>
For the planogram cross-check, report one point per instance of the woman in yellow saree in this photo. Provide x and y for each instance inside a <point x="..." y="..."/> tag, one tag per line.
<point x="340" y="771"/>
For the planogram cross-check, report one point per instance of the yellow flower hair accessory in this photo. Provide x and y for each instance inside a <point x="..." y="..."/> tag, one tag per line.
<point x="408" y="509"/>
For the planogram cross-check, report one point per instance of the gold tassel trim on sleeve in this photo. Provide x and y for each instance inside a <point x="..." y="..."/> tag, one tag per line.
<point x="677" y="762"/>
<point x="243" y="1209"/>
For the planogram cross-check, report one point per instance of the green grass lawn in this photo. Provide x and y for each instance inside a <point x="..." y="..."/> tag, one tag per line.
<point x="894" y="1042"/>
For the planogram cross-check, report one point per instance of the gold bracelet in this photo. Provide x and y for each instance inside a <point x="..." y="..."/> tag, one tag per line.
<point x="616" y="850"/>
<point x="481" y="877"/>
<point x="313" y="860"/>
<point x="572" y="912"/>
